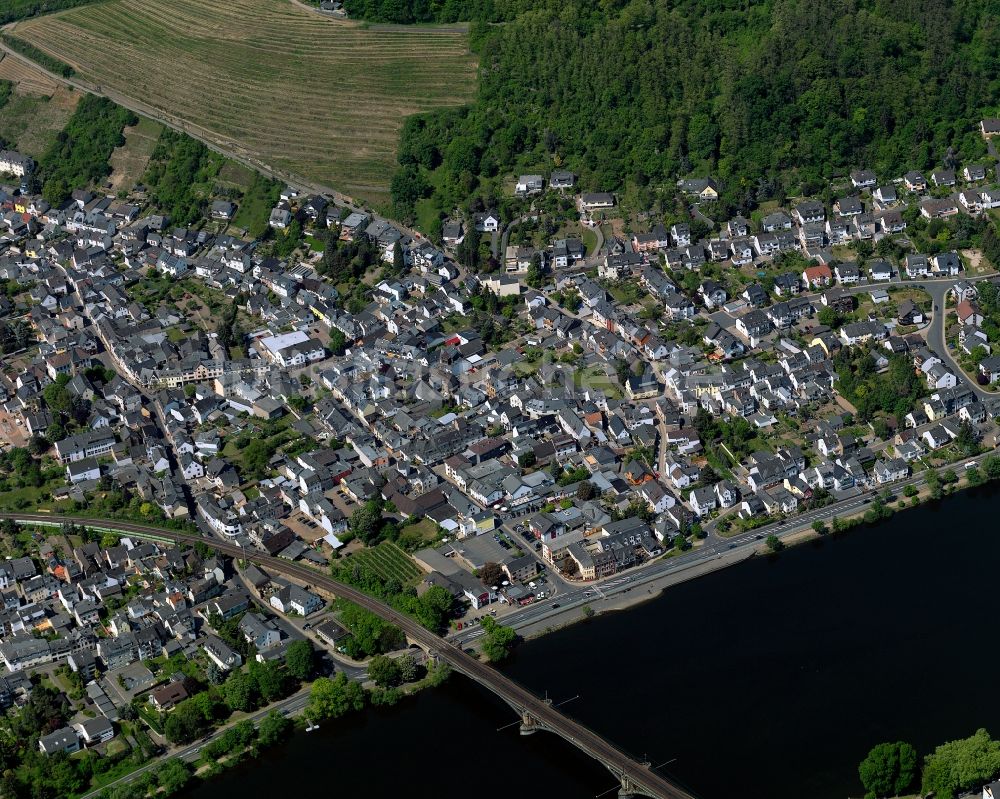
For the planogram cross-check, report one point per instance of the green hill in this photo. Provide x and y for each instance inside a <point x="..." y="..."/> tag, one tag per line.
<point x="768" y="95"/>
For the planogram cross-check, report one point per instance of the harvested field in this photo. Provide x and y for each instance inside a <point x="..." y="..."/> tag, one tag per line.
<point x="38" y="109"/>
<point x="28" y="80"/>
<point x="316" y="97"/>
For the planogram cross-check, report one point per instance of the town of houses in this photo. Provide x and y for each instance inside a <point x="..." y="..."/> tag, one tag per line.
<point x="490" y="442"/>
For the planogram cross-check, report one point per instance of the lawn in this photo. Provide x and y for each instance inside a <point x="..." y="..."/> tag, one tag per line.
<point x="259" y="197"/>
<point x="421" y="534"/>
<point x="307" y="95"/>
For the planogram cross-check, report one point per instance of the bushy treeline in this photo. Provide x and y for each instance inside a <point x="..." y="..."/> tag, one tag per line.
<point x="12" y="10"/>
<point x="769" y="95"/>
<point x="40" y="57"/>
<point x="80" y="154"/>
<point x="406" y="11"/>
<point x="178" y="167"/>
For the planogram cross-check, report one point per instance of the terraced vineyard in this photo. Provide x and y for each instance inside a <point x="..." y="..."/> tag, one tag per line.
<point x="303" y="93"/>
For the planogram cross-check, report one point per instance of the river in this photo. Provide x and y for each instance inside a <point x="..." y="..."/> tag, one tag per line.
<point x="771" y="678"/>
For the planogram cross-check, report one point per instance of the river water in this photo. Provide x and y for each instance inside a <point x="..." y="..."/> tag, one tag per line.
<point x="772" y="678"/>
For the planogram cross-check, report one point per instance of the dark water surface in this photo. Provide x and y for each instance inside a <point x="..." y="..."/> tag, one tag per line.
<point x="771" y="679"/>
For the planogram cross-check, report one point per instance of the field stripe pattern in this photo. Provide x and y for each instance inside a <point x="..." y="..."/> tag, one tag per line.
<point x="316" y="97"/>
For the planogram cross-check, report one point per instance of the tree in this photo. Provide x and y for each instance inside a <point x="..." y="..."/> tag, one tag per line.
<point x="585" y="491"/>
<point x="830" y="317"/>
<point x="274" y="728"/>
<point x="333" y="698"/>
<point x="774" y="543"/>
<point x="961" y="764"/>
<point x="536" y="274"/>
<point x="370" y="634"/>
<point x="271" y="680"/>
<point x="934" y="484"/>
<point x="300" y="659"/>
<point x="819" y="526"/>
<point x="407" y="668"/>
<point x="241" y="691"/>
<point x="186" y="722"/>
<point x="366" y="521"/>
<point x="526" y="459"/>
<point x="214" y="674"/>
<point x="491" y="573"/>
<point x="338" y="342"/>
<point x="384" y="671"/>
<point x="966" y="439"/>
<point x="889" y="769"/>
<point x="173" y="776"/>
<point x="398" y="263"/>
<point x="498" y="641"/>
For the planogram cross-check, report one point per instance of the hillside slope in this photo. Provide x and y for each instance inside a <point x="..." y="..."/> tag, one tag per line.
<point x="766" y="94"/>
<point x="270" y="80"/>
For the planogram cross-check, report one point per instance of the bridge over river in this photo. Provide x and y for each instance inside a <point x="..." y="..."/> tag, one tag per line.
<point x="634" y="778"/>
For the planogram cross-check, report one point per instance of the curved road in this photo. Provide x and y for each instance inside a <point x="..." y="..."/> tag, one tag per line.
<point x="637" y="777"/>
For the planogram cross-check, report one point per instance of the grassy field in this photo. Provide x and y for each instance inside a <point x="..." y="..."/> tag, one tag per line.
<point x="316" y="97"/>
<point x="128" y="162"/>
<point x="38" y="109"/>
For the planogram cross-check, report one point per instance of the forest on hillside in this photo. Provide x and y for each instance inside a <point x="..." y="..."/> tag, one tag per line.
<point x="769" y="96"/>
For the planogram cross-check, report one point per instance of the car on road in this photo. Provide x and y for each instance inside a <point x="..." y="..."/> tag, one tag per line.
<point x="732" y="546"/>
<point x="971" y="465"/>
<point x="556" y="605"/>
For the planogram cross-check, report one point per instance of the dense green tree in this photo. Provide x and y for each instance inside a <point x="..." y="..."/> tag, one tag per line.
<point x="370" y="634"/>
<point x="300" y="660"/>
<point x="80" y="154"/>
<point x="338" y="342"/>
<point x="965" y="763"/>
<point x="185" y="723"/>
<point x="274" y="728"/>
<point x="271" y="679"/>
<point x="498" y="641"/>
<point x="889" y="769"/>
<point x="759" y="107"/>
<point x="333" y="698"/>
<point x="384" y="671"/>
<point x="178" y="171"/>
<point x="241" y="691"/>
<point x="366" y="521"/>
<point x="173" y="776"/>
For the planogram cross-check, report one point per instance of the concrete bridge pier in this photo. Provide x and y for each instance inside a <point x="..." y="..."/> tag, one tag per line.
<point x="628" y="790"/>
<point x="528" y="725"/>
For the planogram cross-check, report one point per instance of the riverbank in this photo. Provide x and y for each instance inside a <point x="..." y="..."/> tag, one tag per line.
<point x="617" y="593"/>
<point x="818" y="654"/>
